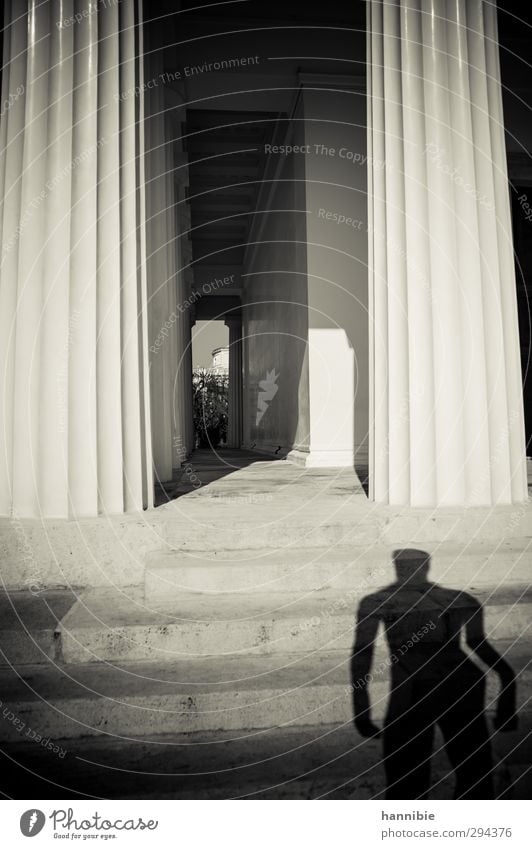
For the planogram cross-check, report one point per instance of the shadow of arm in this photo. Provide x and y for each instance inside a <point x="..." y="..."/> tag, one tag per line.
<point x="361" y="659"/>
<point x="477" y="641"/>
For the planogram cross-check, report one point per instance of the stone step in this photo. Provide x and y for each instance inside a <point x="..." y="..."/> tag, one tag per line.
<point x="107" y="625"/>
<point x="326" y="513"/>
<point x="170" y="573"/>
<point x="29" y="623"/>
<point x="309" y="762"/>
<point x="286" y="763"/>
<point x="143" y="700"/>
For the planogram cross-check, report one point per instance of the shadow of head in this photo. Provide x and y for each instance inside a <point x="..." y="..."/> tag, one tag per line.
<point x="411" y="565"/>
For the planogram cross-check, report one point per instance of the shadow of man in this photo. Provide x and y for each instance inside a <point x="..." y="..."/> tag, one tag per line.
<point x="433" y="681"/>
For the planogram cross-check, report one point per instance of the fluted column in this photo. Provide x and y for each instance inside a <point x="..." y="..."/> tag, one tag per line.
<point x="446" y="402"/>
<point x="160" y="261"/>
<point x="182" y="223"/>
<point x="189" y="317"/>
<point x="73" y="401"/>
<point x="234" y="425"/>
<point x="187" y="374"/>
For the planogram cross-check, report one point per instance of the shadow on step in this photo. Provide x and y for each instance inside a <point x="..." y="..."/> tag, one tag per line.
<point x="205" y="466"/>
<point x="434" y="683"/>
<point x="326" y="762"/>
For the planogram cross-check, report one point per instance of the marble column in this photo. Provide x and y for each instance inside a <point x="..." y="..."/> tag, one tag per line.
<point x="74" y="405"/>
<point x="187" y="373"/>
<point x="160" y="260"/>
<point x="187" y="317"/>
<point x="234" y="425"/>
<point x="183" y="388"/>
<point x="446" y="398"/>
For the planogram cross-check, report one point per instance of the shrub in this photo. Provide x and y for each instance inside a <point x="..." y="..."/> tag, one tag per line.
<point x="211" y="403"/>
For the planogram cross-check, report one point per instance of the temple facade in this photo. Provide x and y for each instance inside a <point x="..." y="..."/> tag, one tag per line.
<point x="349" y="220"/>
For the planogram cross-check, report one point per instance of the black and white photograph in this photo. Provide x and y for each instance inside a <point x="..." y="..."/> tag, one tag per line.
<point x="265" y="421"/>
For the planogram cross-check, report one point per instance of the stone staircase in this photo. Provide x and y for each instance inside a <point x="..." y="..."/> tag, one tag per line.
<point x="219" y="662"/>
<point x="233" y="638"/>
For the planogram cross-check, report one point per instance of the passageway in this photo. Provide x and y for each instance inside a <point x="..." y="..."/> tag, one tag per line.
<point x="245" y="477"/>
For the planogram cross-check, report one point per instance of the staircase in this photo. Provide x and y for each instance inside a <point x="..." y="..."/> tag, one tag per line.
<point x="239" y="637"/>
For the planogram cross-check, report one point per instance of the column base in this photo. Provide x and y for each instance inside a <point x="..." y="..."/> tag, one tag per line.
<point x="334" y="459"/>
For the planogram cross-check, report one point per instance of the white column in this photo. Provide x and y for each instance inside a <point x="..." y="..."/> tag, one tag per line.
<point x="189" y="320"/>
<point x="447" y="408"/>
<point x="160" y="265"/>
<point x="73" y="411"/>
<point x="234" y="425"/>
<point x="168" y="323"/>
<point x="187" y="375"/>
<point x="182" y="222"/>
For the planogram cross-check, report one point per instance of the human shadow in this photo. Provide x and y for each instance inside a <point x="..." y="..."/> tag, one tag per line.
<point x="434" y="682"/>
